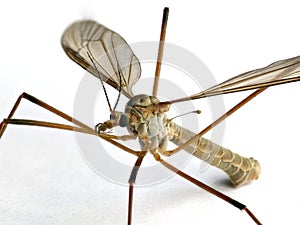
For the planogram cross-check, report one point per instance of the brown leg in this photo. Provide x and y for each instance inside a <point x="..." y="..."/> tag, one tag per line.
<point x="131" y="182"/>
<point x="132" y="179"/>
<point x="81" y="127"/>
<point x="44" y="105"/>
<point x="208" y="188"/>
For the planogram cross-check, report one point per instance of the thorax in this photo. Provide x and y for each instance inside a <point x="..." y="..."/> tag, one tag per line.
<point x="145" y="116"/>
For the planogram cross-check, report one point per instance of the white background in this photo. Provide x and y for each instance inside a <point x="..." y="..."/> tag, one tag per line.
<point x="43" y="178"/>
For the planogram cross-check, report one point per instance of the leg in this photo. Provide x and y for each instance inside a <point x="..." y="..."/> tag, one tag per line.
<point x="208" y="188"/>
<point x="132" y="179"/>
<point x="81" y="127"/>
<point x="48" y="125"/>
<point x="42" y="104"/>
<point x="160" y="50"/>
<point x="131" y="183"/>
<point x="121" y="138"/>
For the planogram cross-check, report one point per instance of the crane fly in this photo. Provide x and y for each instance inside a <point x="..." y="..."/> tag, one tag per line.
<point x="106" y="55"/>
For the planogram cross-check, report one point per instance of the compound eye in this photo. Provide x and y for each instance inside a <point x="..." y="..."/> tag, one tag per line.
<point x="123" y="122"/>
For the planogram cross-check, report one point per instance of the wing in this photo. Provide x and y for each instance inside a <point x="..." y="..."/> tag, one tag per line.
<point x="116" y="63"/>
<point x="280" y="72"/>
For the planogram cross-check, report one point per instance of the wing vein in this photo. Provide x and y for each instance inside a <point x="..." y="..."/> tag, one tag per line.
<point x="113" y="57"/>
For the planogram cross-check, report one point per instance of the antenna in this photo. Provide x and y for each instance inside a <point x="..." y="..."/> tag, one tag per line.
<point x="160" y="50"/>
<point x="195" y="111"/>
<point x="99" y="75"/>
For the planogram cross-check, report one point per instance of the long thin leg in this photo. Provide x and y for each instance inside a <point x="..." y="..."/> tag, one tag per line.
<point x="70" y="128"/>
<point x="132" y="179"/>
<point x="48" y="125"/>
<point x="160" y="50"/>
<point x="208" y="188"/>
<point x="81" y="126"/>
<point x="215" y="123"/>
<point x="43" y="105"/>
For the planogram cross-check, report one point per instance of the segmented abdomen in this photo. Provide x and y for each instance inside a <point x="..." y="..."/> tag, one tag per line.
<point x="240" y="169"/>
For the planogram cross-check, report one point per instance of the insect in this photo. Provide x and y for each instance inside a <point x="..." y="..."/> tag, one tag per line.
<point x="107" y="56"/>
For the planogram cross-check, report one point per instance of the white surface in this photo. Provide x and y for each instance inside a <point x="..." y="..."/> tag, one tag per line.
<point x="43" y="178"/>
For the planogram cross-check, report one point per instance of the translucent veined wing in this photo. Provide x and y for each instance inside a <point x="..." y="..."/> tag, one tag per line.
<point x="111" y="54"/>
<point x="280" y="72"/>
